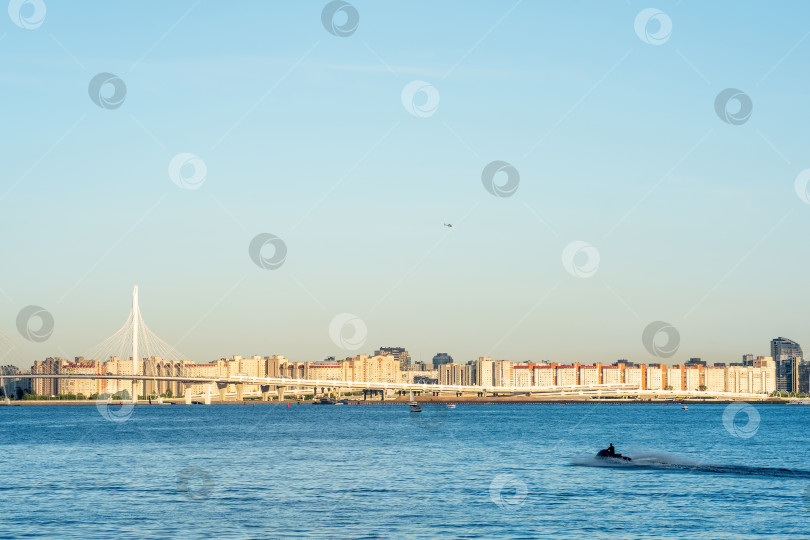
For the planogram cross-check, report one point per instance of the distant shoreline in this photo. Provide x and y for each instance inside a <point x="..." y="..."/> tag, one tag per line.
<point x="426" y="401"/>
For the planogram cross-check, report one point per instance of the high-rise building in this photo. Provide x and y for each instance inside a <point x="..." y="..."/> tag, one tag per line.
<point x="804" y="377"/>
<point x="45" y="387"/>
<point x="748" y="360"/>
<point x="784" y="346"/>
<point x="441" y="359"/>
<point x="522" y="375"/>
<point x="400" y="354"/>
<point x="545" y="376"/>
<point x="468" y="374"/>
<point x="504" y="373"/>
<point x="450" y="373"/>
<point x="485" y="371"/>
<point x="788" y="356"/>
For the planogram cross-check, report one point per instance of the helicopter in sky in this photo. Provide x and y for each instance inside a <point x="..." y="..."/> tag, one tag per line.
<point x="448" y="225"/>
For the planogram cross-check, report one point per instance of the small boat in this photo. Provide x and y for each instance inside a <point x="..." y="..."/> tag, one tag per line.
<point x="685" y="408"/>
<point x="799" y="402"/>
<point x="412" y="402"/>
<point x="416" y="408"/>
<point x="607" y="454"/>
<point x="451" y="406"/>
<point x="325" y="401"/>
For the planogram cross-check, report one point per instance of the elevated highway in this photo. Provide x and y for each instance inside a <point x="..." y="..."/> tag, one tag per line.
<point x="281" y="386"/>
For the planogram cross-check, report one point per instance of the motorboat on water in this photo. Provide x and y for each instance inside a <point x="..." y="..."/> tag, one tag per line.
<point x="325" y="401"/>
<point x="451" y="406"/>
<point x="416" y="408"/>
<point x="685" y="408"/>
<point x="610" y="453"/>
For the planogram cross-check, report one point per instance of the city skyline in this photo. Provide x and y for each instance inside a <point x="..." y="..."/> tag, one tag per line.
<point x="638" y="199"/>
<point x="761" y="375"/>
<point x="10" y="351"/>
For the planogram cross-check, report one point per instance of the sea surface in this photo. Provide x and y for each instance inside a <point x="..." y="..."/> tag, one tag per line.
<point x="379" y="471"/>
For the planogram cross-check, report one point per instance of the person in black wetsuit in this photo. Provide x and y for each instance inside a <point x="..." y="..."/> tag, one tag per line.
<point x="611" y="450"/>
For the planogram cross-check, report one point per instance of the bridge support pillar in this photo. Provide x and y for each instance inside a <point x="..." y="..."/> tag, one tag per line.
<point x="265" y="388"/>
<point x="208" y="393"/>
<point x="240" y="389"/>
<point x="222" y="388"/>
<point x="187" y="393"/>
<point x="280" y="390"/>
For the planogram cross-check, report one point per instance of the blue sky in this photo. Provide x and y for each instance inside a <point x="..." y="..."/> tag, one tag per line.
<point x="304" y="135"/>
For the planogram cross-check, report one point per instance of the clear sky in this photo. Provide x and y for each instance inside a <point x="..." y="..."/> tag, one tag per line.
<point x="612" y="127"/>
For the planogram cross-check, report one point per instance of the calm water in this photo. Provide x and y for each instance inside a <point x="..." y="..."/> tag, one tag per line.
<point x="479" y="471"/>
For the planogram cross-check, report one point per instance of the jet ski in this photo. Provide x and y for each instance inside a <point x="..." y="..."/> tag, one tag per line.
<point x="605" y="454"/>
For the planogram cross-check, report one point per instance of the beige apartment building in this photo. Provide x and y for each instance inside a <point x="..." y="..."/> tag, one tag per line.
<point x="760" y="377"/>
<point x="635" y="375"/>
<point x="715" y="379"/>
<point x="485" y="371"/>
<point x="655" y="378"/>
<point x="504" y="373"/>
<point x="545" y="376"/>
<point x="590" y="374"/>
<point x="693" y="378"/>
<point x="568" y="375"/>
<point x="84" y="387"/>
<point x="451" y="374"/>
<point x="522" y="376"/>
<point x="612" y="375"/>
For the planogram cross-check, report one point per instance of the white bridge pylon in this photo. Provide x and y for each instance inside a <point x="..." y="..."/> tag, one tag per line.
<point x="135" y="342"/>
<point x="136" y="317"/>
